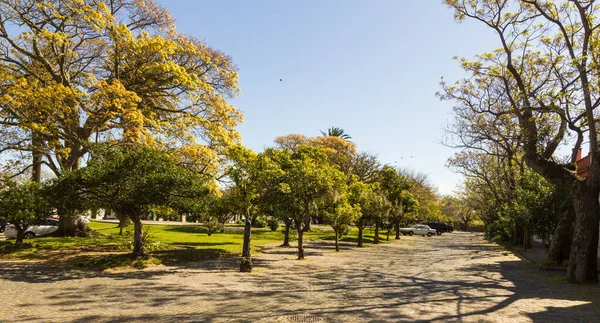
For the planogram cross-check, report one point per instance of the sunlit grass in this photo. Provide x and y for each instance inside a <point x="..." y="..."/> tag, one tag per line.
<point x="168" y="244"/>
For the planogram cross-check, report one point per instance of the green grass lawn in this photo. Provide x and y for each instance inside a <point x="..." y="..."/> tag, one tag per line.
<point x="194" y="236"/>
<point x="168" y="244"/>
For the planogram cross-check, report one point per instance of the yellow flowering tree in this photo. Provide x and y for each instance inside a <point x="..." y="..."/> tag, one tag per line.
<point x="81" y="71"/>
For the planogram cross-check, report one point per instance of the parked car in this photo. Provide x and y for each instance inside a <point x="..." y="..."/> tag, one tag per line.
<point x="439" y="227"/>
<point x="40" y="228"/>
<point x="110" y="217"/>
<point x="421" y="229"/>
<point x="2" y="225"/>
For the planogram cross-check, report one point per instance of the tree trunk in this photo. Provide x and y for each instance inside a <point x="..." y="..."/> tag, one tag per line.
<point x="20" y="235"/>
<point x="36" y="170"/>
<point x="300" y="247"/>
<point x="67" y="225"/>
<point x="389" y="228"/>
<point x="138" y="237"/>
<point x="560" y="237"/>
<point x="123" y="222"/>
<point x="514" y="239"/>
<point x="360" y="236"/>
<point x="584" y="249"/>
<point x="307" y="223"/>
<point x="246" y="265"/>
<point x="376" y="237"/>
<point x="286" y="234"/>
<point x="398" y="230"/>
<point x="337" y="248"/>
<point x="526" y="238"/>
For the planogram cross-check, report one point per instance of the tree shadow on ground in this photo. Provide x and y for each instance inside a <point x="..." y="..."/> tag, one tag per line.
<point x="386" y="283"/>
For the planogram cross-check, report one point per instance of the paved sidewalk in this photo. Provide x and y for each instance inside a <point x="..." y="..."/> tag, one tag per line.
<point x="450" y="278"/>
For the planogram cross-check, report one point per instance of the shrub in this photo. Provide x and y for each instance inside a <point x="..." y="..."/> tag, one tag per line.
<point x="259" y="223"/>
<point x="273" y="224"/>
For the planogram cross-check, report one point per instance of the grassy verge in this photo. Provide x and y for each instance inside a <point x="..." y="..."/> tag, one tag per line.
<point x="168" y="245"/>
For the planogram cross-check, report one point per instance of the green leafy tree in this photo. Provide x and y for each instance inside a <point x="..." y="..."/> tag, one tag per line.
<point x="130" y="182"/>
<point x="22" y="205"/>
<point x="220" y="210"/>
<point x="396" y="188"/>
<point x="338" y="212"/>
<point x="373" y="206"/>
<point x="308" y="177"/>
<point x="252" y="175"/>
<point x="276" y="200"/>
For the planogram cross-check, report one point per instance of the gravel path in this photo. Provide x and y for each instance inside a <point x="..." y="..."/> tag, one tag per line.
<point x="451" y="278"/>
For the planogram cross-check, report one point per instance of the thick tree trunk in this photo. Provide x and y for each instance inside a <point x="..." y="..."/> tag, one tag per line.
<point x="584" y="249"/>
<point x="337" y="248"/>
<point x="300" y="247"/>
<point x="376" y="237"/>
<point x="286" y="234"/>
<point x="560" y="237"/>
<point x="138" y="237"/>
<point x="67" y="225"/>
<point x="246" y="265"/>
<point x="360" y="236"/>
<point x="398" y="230"/>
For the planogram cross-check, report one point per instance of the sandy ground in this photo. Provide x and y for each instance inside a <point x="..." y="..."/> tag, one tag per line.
<point x="451" y="278"/>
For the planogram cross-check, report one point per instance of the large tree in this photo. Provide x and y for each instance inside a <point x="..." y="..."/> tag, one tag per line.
<point x="545" y="69"/>
<point x="130" y="182"/>
<point x="75" y="72"/>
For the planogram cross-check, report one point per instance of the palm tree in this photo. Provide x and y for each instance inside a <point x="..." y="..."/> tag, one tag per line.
<point x="336" y="132"/>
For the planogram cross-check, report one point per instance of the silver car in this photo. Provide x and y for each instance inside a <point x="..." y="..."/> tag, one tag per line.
<point x="40" y="228"/>
<point x="420" y="229"/>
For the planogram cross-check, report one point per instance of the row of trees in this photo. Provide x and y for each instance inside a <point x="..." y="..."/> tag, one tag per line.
<point x="323" y="177"/>
<point x="124" y="112"/>
<point x="519" y="108"/>
<point x="302" y="178"/>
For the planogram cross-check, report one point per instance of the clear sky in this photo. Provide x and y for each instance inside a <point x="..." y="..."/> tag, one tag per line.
<point x="371" y="67"/>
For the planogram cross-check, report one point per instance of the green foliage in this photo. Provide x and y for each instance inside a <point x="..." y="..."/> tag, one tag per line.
<point x="336" y="132"/>
<point x="130" y="182"/>
<point x="23" y="204"/>
<point x="259" y="222"/>
<point x="273" y="224"/>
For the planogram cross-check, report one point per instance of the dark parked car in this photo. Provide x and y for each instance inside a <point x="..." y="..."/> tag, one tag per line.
<point x="440" y="227"/>
<point x="2" y="225"/>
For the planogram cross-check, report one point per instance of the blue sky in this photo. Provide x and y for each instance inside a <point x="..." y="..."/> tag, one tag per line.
<point x="370" y="67"/>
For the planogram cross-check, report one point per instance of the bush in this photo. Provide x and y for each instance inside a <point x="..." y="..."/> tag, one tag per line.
<point x="273" y="224"/>
<point x="240" y="222"/>
<point x="259" y="223"/>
